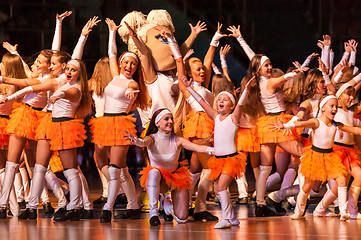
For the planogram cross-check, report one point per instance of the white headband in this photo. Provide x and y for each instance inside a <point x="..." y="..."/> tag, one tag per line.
<point x="75" y="63"/>
<point x="129" y="54"/>
<point x="263" y="59"/>
<point x="324" y="101"/>
<point x="342" y="89"/>
<point x="229" y="95"/>
<point x="161" y="114"/>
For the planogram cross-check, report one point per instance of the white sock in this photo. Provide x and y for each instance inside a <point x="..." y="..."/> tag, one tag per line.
<point x="25" y="180"/>
<point x="153" y="187"/>
<point x="37" y="186"/>
<point x="273" y="181"/>
<point x="87" y="204"/>
<point x="14" y="206"/>
<point x="261" y="184"/>
<point x="104" y="180"/>
<point x="301" y="202"/>
<point x="8" y="182"/>
<point x="226" y="205"/>
<point x="353" y="196"/>
<point x="129" y="188"/>
<point x="64" y="186"/>
<point x="19" y="188"/>
<point x="288" y="178"/>
<point x="342" y="200"/>
<point x="203" y="187"/>
<point x="327" y="199"/>
<point x="54" y="185"/>
<point x="242" y="186"/>
<point x="113" y="189"/>
<point x="72" y="175"/>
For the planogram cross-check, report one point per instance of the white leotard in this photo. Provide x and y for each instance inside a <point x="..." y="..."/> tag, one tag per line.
<point x="324" y="136"/>
<point x="347" y="119"/>
<point x="115" y="100"/>
<point x="204" y="92"/>
<point x="164" y="153"/>
<point x="64" y="107"/>
<point x="38" y="100"/>
<point x="225" y="133"/>
<point x="61" y="79"/>
<point x="272" y="103"/>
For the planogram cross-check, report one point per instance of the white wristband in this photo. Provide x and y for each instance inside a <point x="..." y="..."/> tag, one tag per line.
<point x="306" y="63"/>
<point x="326" y="78"/>
<point x="20" y="93"/>
<point x="338" y="76"/>
<point x="210" y="150"/>
<point x="357" y="79"/>
<point x="215" y="39"/>
<point x="138" y="141"/>
<point x="1" y="79"/>
<point x="289" y="125"/>
<point x="59" y="94"/>
<point x="223" y="61"/>
<point x="352" y="58"/>
<point x="290" y="75"/>
<point x="243" y="97"/>
<point x="112" y="47"/>
<point x="194" y="94"/>
<point x="246" y="48"/>
<point x="174" y="47"/>
<point x="294" y="119"/>
<point x="216" y="70"/>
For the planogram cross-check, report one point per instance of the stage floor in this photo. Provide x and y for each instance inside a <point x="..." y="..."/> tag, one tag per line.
<point x="250" y="228"/>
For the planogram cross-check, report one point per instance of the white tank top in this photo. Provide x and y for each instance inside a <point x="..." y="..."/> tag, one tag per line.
<point x="61" y="79"/>
<point x="64" y="107"/>
<point x="225" y="133"/>
<point x="204" y="92"/>
<point x="272" y="103"/>
<point x="347" y="119"/>
<point x="324" y="136"/>
<point x="164" y="153"/>
<point x="38" y="100"/>
<point x="99" y="104"/>
<point x="115" y="100"/>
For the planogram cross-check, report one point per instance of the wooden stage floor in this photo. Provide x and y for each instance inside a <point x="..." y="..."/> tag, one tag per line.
<point x="250" y="228"/>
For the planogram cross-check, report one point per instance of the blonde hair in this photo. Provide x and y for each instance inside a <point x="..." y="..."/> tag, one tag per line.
<point x="84" y="107"/>
<point x="293" y="88"/>
<point x="101" y="76"/>
<point x="13" y="68"/>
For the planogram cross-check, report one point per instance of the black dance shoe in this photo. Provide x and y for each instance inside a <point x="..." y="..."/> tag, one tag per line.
<point x="199" y="216"/>
<point x="154" y="221"/>
<point x="277" y="205"/>
<point x="86" y="214"/>
<point x="48" y="209"/>
<point x="100" y="201"/>
<point x="264" y="211"/>
<point x="129" y="214"/>
<point x="59" y="215"/>
<point x="3" y="213"/>
<point x="242" y="201"/>
<point x="29" y="213"/>
<point x="106" y="216"/>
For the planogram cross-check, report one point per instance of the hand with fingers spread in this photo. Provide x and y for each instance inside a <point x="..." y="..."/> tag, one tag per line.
<point x="235" y="32"/>
<point x="89" y="25"/>
<point x="188" y="54"/>
<point x="347" y="47"/>
<point x="225" y="50"/>
<point x="277" y="126"/>
<point x="326" y="40"/>
<point x="301" y="70"/>
<point x="320" y="44"/>
<point x="131" y="94"/>
<point x="312" y="56"/>
<point x="353" y="44"/>
<point x="63" y="15"/>
<point x="130" y="137"/>
<point x="296" y="64"/>
<point x="198" y="28"/>
<point x="111" y="24"/>
<point x="322" y="66"/>
<point x="10" y="48"/>
<point x="217" y="36"/>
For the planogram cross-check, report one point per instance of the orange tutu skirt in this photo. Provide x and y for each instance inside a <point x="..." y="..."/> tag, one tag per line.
<point x="321" y="166"/>
<point x="198" y="125"/>
<point x="4" y="136"/>
<point x="24" y="121"/>
<point x="44" y="126"/>
<point x="232" y="165"/>
<point x="179" y="179"/>
<point x="55" y="162"/>
<point x="350" y="156"/>
<point x="268" y="135"/>
<point x="67" y="135"/>
<point x="247" y="140"/>
<point x="109" y="130"/>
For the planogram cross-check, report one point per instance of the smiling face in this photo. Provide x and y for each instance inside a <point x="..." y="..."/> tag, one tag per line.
<point x="321" y="86"/>
<point x="197" y="71"/>
<point x="165" y="124"/>
<point x="266" y="69"/>
<point x="42" y="64"/>
<point x="329" y="110"/>
<point x="347" y="97"/>
<point x="56" y="67"/>
<point x="72" y="73"/>
<point x="128" y="66"/>
<point x="224" y="104"/>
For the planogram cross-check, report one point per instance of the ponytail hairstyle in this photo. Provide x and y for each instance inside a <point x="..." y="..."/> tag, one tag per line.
<point x="152" y="126"/>
<point x="101" y="76"/>
<point x="143" y="100"/>
<point x="84" y="107"/>
<point x="253" y="106"/>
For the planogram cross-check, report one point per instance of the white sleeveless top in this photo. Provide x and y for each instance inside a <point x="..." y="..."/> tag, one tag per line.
<point x="324" y="136"/>
<point x="99" y="102"/>
<point x="347" y="119"/>
<point x="64" y="107"/>
<point x="272" y="103"/>
<point x="164" y="153"/>
<point x="38" y="100"/>
<point x="206" y="95"/>
<point x="225" y="133"/>
<point x="61" y="79"/>
<point x="115" y="100"/>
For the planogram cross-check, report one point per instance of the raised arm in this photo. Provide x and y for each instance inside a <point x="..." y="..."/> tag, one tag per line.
<point x="309" y="59"/>
<point x="194" y="147"/>
<point x="275" y="83"/>
<point x="195" y="31"/>
<point x="325" y="53"/>
<point x="57" y="35"/>
<point x="222" y="54"/>
<point x="236" y="115"/>
<point x="78" y="50"/>
<point x="353" y="44"/>
<point x="13" y="50"/>
<point x="112" y="47"/>
<point x="235" y="32"/>
<point x="330" y="87"/>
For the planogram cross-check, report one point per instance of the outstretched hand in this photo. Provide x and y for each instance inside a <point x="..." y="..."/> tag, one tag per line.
<point x="322" y="66"/>
<point x="225" y="50"/>
<point x="130" y="137"/>
<point x="235" y="32"/>
<point x="111" y="24"/>
<point x="301" y="70"/>
<point x="251" y="81"/>
<point x="89" y="25"/>
<point x="277" y="126"/>
<point x="9" y="47"/>
<point x="198" y="28"/>
<point x="131" y="94"/>
<point x="63" y="15"/>
<point x="188" y="54"/>
<point x="219" y="27"/>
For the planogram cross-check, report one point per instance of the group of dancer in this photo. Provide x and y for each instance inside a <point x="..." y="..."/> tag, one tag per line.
<point x="42" y="111"/>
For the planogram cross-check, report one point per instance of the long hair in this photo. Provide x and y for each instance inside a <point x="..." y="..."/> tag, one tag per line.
<point x="152" y="127"/>
<point x="84" y="107"/>
<point x="253" y="106"/>
<point x="13" y="68"/>
<point x="314" y="76"/>
<point x="293" y="88"/>
<point x="181" y="110"/>
<point x="101" y="76"/>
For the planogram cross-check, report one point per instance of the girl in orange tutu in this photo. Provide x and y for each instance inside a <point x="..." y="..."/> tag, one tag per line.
<point x="122" y="94"/>
<point x="320" y="162"/>
<point x="350" y="155"/>
<point x="165" y="172"/>
<point x="197" y="125"/>
<point x="71" y="102"/>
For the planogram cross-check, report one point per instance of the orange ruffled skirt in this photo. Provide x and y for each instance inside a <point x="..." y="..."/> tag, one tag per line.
<point x="268" y="135"/>
<point x="350" y="156"/>
<point x="55" y="162"/>
<point x="4" y="136"/>
<point x="44" y="126"/>
<point x="247" y="140"/>
<point x="67" y="134"/>
<point x="109" y="130"/>
<point x="321" y="166"/>
<point x="24" y="121"/>
<point x="198" y="125"/>
<point x="179" y="179"/>
<point x="232" y="166"/>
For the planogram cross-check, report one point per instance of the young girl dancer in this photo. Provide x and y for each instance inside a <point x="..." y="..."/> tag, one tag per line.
<point x="165" y="172"/>
<point x="121" y="95"/>
<point x="320" y="162"/>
